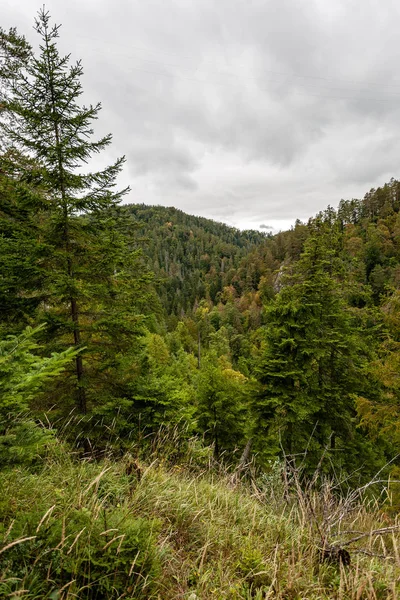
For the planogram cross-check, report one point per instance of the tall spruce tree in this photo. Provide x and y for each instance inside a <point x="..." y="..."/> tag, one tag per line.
<point x="312" y="364"/>
<point x="43" y="118"/>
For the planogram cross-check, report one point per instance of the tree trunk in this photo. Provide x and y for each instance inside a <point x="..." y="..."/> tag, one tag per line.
<point x="244" y="459"/>
<point x="81" y="393"/>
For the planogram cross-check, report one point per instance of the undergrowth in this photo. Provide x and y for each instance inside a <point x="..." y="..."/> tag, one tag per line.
<point x="124" y="529"/>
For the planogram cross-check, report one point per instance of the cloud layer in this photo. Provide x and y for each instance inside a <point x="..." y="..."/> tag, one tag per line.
<point x="252" y="112"/>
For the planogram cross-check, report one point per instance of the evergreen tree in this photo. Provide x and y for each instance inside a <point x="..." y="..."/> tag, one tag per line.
<point x="312" y="362"/>
<point x="43" y="118"/>
<point x="21" y="201"/>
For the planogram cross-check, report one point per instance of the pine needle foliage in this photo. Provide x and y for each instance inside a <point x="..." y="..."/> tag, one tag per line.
<point x="43" y="119"/>
<point x="23" y="374"/>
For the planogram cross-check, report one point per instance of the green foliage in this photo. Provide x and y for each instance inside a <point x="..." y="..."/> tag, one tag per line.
<point x="192" y="257"/>
<point x="22" y="206"/>
<point x="313" y="361"/>
<point x="99" y="564"/>
<point x="380" y="412"/>
<point x="96" y="531"/>
<point x="23" y="373"/>
<point x="14" y="52"/>
<point x="90" y="283"/>
<point x="164" y="391"/>
<point x="222" y="413"/>
<point x="87" y="543"/>
<point x="23" y="441"/>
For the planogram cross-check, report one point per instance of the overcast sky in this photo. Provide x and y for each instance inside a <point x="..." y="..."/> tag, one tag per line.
<point x="250" y="112"/>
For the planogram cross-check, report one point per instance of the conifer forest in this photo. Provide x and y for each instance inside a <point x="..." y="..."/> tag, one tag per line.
<point x="187" y="410"/>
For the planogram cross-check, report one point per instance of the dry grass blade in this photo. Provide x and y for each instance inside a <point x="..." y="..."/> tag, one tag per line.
<point x="108" y="531"/>
<point x="95" y="480"/>
<point x="15" y="542"/>
<point x="64" y="587"/>
<point x="42" y="520"/>
<point x="75" y="540"/>
<point x="7" y="533"/>
<point x="117" y="537"/>
<point x="133" y="563"/>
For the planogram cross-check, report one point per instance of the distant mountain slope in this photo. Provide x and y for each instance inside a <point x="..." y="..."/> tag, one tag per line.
<point x="196" y="258"/>
<point x="193" y="257"/>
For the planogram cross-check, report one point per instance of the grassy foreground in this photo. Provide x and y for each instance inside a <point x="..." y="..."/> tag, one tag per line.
<point x="110" y="530"/>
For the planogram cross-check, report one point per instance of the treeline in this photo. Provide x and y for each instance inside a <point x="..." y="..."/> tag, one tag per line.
<point x="118" y="320"/>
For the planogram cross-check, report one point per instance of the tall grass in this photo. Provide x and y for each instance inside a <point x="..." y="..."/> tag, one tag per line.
<point x="140" y="530"/>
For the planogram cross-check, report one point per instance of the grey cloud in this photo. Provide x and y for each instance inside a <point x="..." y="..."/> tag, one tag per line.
<point x="154" y="156"/>
<point x="247" y="111"/>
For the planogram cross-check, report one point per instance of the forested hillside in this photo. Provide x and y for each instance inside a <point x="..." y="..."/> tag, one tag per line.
<point x="140" y="335"/>
<point x="192" y="257"/>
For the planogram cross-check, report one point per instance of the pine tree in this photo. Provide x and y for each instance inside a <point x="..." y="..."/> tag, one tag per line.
<point x="312" y="363"/>
<point x="44" y="119"/>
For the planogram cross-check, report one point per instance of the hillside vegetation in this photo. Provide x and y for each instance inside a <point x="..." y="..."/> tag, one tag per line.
<point x="111" y="530"/>
<point x="192" y="257"/>
<point x="186" y="410"/>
